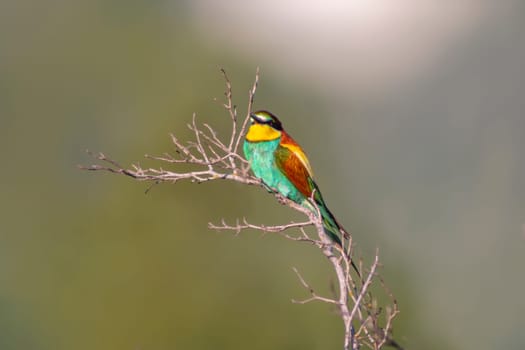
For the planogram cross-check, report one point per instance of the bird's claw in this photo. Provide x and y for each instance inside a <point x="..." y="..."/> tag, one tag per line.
<point x="281" y="199"/>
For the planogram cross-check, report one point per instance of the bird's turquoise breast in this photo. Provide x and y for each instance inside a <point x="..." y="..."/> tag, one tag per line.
<point x="262" y="161"/>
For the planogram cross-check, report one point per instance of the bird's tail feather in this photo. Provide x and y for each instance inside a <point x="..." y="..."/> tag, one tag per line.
<point x="331" y="226"/>
<point x="333" y="229"/>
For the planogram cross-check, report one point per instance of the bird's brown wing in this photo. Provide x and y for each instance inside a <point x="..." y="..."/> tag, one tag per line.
<point x="292" y="162"/>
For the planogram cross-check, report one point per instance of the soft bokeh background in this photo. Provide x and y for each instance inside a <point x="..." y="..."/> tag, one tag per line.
<point x="412" y="113"/>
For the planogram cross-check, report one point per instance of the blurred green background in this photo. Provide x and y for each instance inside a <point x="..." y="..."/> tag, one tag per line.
<point x="412" y="114"/>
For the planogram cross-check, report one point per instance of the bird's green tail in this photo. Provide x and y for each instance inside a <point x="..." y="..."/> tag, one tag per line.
<point x="331" y="227"/>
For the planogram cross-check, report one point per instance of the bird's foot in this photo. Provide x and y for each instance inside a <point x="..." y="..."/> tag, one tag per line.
<point x="281" y="199"/>
<point x="268" y="188"/>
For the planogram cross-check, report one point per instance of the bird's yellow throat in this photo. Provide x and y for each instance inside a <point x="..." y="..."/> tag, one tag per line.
<point x="262" y="132"/>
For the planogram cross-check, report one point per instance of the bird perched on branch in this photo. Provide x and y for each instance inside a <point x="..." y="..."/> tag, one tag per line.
<point x="281" y="164"/>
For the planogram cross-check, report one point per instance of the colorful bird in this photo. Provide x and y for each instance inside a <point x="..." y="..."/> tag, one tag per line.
<point x="281" y="164"/>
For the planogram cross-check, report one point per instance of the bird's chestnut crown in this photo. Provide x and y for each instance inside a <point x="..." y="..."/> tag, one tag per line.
<point x="266" y="118"/>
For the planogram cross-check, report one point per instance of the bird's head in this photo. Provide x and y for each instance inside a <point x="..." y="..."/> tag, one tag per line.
<point x="264" y="127"/>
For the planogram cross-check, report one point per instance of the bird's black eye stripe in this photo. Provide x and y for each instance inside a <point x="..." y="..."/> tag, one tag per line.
<point x="276" y="125"/>
<point x="272" y="121"/>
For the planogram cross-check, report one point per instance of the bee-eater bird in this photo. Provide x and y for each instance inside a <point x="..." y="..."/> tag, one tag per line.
<point x="281" y="164"/>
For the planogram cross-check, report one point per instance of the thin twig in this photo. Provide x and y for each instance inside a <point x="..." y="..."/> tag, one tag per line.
<point x="314" y="295"/>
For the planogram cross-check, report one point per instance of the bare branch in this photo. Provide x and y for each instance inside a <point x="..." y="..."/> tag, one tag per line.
<point x="246" y="225"/>
<point x="365" y="286"/>
<point x="247" y="118"/>
<point x="315" y="296"/>
<point x="211" y="158"/>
